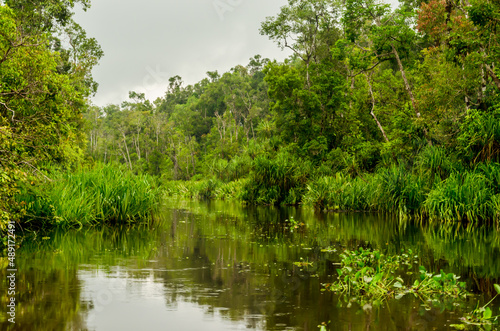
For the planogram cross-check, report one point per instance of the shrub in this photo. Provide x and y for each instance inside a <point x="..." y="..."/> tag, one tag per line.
<point x="433" y="161"/>
<point x="398" y="190"/>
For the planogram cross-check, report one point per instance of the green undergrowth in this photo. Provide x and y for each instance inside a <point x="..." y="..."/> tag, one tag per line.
<point x="278" y="180"/>
<point x="471" y="196"/>
<point x="434" y="187"/>
<point x="103" y="194"/>
<point x="370" y="278"/>
<point x="205" y="189"/>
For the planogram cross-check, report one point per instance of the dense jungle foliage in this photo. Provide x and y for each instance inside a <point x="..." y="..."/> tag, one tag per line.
<point x="381" y="109"/>
<point x="45" y="82"/>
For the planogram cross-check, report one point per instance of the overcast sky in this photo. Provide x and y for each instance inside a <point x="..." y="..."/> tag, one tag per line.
<point x="146" y="42"/>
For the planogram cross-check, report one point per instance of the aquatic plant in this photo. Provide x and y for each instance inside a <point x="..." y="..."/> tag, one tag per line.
<point x="433" y="161"/>
<point x="369" y="276"/>
<point x="205" y="189"/>
<point x="105" y="193"/>
<point x="481" y="316"/>
<point x="277" y="180"/>
<point x="338" y="193"/>
<point x="398" y="190"/>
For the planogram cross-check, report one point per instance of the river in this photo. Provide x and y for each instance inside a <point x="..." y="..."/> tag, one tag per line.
<point x="224" y="266"/>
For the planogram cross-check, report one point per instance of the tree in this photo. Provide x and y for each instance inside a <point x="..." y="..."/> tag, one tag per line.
<point x="468" y="33"/>
<point x="43" y="88"/>
<point x="307" y="27"/>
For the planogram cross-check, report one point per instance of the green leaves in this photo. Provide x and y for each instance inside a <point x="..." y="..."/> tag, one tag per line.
<point x="397" y="285"/>
<point x="497" y="288"/>
<point x="370" y="277"/>
<point x="483" y="13"/>
<point x="306" y="27"/>
<point x="487" y="313"/>
<point x="43" y="91"/>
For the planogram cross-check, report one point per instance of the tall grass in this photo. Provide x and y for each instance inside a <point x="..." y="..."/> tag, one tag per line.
<point x="390" y="190"/>
<point x="479" y="138"/>
<point x="228" y="170"/>
<point x="278" y="180"/>
<point x="462" y="196"/>
<point x="433" y="161"/>
<point x="338" y="193"/>
<point x="205" y="189"/>
<point x="437" y="186"/>
<point x="103" y="194"/>
<point x="398" y="190"/>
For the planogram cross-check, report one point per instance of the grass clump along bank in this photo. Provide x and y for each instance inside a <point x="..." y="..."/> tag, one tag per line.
<point x="102" y="194"/>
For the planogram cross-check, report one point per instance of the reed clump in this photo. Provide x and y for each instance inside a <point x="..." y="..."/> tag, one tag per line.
<point x="462" y="195"/>
<point x="339" y="192"/>
<point x="434" y="185"/>
<point x="103" y="194"/>
<point x="278" y="180"/>
<point x="205" y="189"/>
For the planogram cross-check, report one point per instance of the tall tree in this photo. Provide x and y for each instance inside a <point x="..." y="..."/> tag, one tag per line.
<point x="307" y="27"/>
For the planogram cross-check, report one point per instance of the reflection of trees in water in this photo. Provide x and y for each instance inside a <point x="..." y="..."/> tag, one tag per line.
<point x="237" y="261"/>
<point x="471" y="252"/>
<point x="48" y="298"/>
<point x="266" y="226"/>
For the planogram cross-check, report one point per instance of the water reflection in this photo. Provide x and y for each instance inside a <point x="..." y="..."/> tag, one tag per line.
<point x="220" y="266"/>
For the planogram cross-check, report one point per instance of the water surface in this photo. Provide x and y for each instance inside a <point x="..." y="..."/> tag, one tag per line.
<point x="222" y="266"/>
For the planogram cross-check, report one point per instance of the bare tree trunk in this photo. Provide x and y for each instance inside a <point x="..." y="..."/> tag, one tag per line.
<point x="176" y="162"/>
<point x="221" y="127"/>
<point x="410" y="93"/>
<point x="373" y="108"/>
<point x="137" y="148"/>
<point x="124" y="156"/>
<point x="126" y="148"/>
<point x="105" y="147"/>
<point x="407" y="85"/>
<point x="467" y="100"/>
<point x="193" y="161"/>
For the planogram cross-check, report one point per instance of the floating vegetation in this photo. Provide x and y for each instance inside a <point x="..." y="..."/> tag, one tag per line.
<point x="369" y="276"/>
<point x="481" y="317"/>
<point x="303" y="263"/>
<point x="329" y="250"/>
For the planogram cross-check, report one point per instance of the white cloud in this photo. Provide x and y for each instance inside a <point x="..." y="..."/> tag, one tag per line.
<point x="172" y="37"/>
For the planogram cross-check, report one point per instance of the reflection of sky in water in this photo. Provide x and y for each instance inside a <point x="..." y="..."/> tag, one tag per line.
<point x="122" y="303"/>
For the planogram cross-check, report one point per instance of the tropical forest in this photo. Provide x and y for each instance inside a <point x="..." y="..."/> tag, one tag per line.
<point x="355" y="185"/>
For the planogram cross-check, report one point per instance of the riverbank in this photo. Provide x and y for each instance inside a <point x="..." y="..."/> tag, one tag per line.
<point x="112" y="194"/>
<point x="447" y="196"/>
